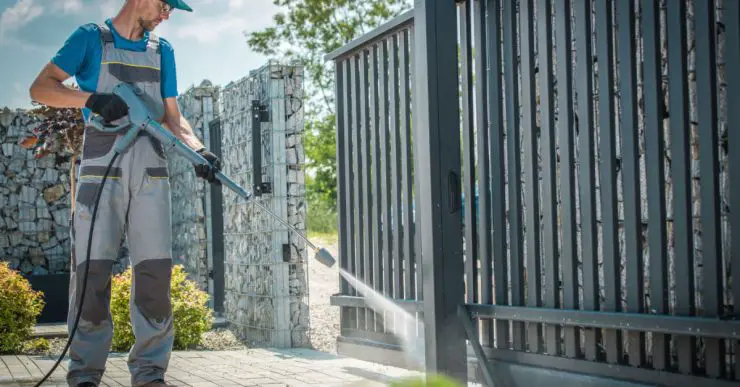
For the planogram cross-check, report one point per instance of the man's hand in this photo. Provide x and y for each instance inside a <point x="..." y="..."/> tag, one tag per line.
<point x="205" y="171"/>
<point x="110" y="106"/>
<point x="179" y="126"/>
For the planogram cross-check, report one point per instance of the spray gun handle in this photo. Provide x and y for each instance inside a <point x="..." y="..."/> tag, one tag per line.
<point x="97" y="123"/>
<point x="121" y="145"/>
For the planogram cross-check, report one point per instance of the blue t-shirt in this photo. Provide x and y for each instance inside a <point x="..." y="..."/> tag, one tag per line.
<point x="81" y="54"/>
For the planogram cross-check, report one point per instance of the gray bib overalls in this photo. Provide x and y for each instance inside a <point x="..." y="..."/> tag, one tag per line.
<point x="136" y="200"/>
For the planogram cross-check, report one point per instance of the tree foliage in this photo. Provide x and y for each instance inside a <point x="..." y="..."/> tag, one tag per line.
<point x="321" y="146"/>
<point x="303" y="32"/>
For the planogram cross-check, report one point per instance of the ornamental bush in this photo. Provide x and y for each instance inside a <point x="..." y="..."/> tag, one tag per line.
<point x="192" y="316"/>
<point x="20" y="305"/>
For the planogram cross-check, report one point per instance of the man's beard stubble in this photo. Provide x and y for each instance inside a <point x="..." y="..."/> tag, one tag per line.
<point x="148" y="26"/>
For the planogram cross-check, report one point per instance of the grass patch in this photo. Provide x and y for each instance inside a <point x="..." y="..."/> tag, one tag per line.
<point x="321" y="218"/>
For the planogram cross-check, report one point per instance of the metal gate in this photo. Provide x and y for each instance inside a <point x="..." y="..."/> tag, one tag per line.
<point x="559" y="168"/>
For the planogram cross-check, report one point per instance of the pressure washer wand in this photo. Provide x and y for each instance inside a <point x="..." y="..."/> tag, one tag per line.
<point x="321" y="254"/>
<point x="140" y="119"/>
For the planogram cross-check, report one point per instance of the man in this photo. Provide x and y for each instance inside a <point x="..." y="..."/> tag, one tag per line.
<point x="136" y="196"/>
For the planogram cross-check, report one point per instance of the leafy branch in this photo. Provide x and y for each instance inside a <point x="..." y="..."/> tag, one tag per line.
<point x="59" y="133"/>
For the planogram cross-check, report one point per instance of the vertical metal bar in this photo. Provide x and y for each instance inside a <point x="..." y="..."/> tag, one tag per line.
<point x="654" y="153"/>
<point x="438" y="149"/>
<point x="584" y="68"/>
<point x="406" y="177"/>
<point x="631" y="173"/>
<point x="511" y="75"/>
<point x="608" y="158"/>
<point x="549" y="162"/>
<point x="377" y="274"/>
<point x="732" y="56"/>
<point x="217" y="199"/>
<point x="359" y="109"/>
<point x="566" y="130"/>
<point x="367" y="188"/>
<point x="706" y="88"/>
<point x="466" y="88"/>
<point x="481" y="125"/>
<point x="418" y="269"/>
<point x="384" y="176"/>
<point x="349" y="318"/>
<point x="256" y="148"/>
<point x="416" y="235"/>
<point x="395" y="160"/>
<point x="210" y="221"/>
<point x="681" y="177"/>
<point x="529" y="127"/>
<point x="498" y="196"/>
<point x="340" y="86"/>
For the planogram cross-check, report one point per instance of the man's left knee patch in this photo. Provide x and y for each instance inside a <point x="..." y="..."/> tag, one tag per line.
<point x="152" y="287"/>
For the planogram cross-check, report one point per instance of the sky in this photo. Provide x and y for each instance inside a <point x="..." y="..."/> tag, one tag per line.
<point x="31" y="32"/>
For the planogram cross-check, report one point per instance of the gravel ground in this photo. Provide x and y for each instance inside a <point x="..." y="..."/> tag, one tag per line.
<point x="323" y="282"/>
<point x="220" y="340"/>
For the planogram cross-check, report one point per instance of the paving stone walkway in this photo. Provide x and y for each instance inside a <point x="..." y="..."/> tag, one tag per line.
<point x="253" y="367"/>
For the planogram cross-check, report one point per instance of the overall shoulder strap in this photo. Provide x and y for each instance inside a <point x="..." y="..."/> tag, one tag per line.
<point x="106" y="36"/>
<point x="154" y="43"/>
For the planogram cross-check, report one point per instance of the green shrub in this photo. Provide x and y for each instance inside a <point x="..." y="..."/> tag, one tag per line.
<point x="191" y="313"/>
<point x="35" y="346"/>
<point x="20" y="305"/>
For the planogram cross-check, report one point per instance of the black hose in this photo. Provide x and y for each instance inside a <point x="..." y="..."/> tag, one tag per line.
<point x="87" y="266"/>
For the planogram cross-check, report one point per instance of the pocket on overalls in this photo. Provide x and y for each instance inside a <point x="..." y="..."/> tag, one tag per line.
<point x="154" y="173"/>
<point x="90" y="181"/>
<point x="97" y="144"/>
<point x="156" y="179"/>
<point x="153" y="198"/>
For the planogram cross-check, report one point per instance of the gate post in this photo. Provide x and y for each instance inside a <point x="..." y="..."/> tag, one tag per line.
<point x="437" y="143"/>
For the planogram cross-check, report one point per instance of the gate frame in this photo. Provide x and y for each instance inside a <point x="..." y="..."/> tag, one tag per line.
<point x="440" y="210"/>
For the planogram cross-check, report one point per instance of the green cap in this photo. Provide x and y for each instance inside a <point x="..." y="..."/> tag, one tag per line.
<point x="179" y="4"/>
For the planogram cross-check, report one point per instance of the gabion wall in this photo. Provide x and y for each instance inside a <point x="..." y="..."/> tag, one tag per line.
<point x="266" y="285"/>
<point x="34" y="202"/>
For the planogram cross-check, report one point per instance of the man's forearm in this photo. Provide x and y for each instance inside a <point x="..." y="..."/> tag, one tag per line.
<point x="55" y="94"/>
<point x="181" y="128"/>
<point x="49" y="90"/>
